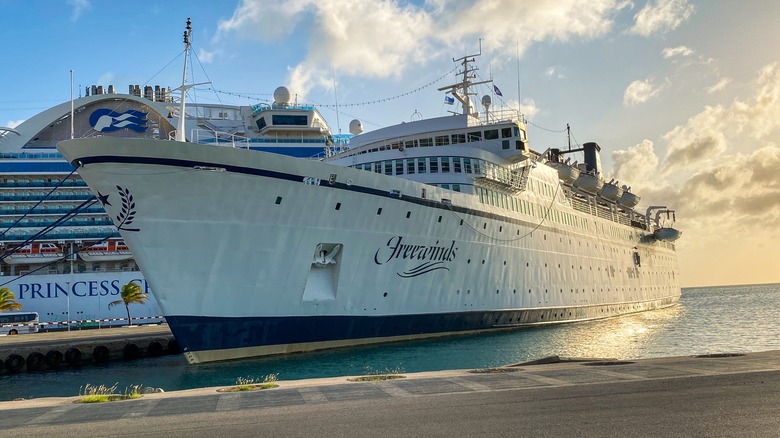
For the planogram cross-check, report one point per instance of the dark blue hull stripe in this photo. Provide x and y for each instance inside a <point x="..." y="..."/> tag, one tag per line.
<point x="204" y="333"/>
<point x="299" y="178"/>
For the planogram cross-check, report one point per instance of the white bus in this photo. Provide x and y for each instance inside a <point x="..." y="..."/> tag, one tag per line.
<point x="17" y="323"/>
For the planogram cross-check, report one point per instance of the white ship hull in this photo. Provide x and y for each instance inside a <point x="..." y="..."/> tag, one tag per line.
<point x="231" y="248"/>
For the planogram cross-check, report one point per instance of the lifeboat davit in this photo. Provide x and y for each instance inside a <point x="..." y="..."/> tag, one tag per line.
<point x="667" y="233"/>
<point x="108" y="251"/>
<point x="567" y="174"/>
<point x="611" y="192"/>
<point x="35" y="253"/>
<point x="588" y="183"/>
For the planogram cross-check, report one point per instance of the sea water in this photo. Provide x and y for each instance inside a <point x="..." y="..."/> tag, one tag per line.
<point x="728" y="319"/>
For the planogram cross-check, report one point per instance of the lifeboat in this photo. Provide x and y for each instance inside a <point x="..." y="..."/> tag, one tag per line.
<point x="567" y="174"/>
<point x="628" y="199"/>
<point x="667" y="233"/>
<point x="108" y="251"/>
<point x="611" y="192"/>
<point x="588" y="183"/>
<point x="35" y="253"/>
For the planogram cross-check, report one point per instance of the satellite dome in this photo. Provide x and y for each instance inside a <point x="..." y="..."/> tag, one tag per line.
<point x="355" y="127"/>
<point x="282" y="96"/>
<point x="486" y="101"/>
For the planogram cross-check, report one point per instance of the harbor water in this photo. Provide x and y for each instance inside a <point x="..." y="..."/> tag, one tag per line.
<point x="727" y="319"/>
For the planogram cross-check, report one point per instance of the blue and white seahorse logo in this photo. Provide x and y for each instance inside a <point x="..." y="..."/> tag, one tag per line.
<point x="106" y="120"/>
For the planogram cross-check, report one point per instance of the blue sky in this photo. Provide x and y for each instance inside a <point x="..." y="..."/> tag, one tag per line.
<point x="682" y="95"/>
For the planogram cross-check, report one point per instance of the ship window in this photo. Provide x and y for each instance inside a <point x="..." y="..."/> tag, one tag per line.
<point x="481" y="194"/>
<point x="445" y="186"/>
<point x="456" y="187"/>
<point x="338" y="206"/>
<point x="475" y="136"/>
<point x="260" y="123"/>
<point x="491" y="134"/>
<point x="278" y="200"/>
<point x="434" y="165"/>
<point x="442" y="140"/>
<point x="445" y="165"/>
<point x="504" y="144"/>
<point x="477" y="166"/>
<point x="467" y="165"/>
<point x="456" y="165"/>
<point x="425" y="142"/>
<point x="458" y="138"/>
<point x="388" y="167"/>
<point x="286" y="120"/>
<point x="421" y="165"/>
<point x="378" y="167"/>
<point x="399" y="167"/>
<point x="506" y="132"/>
<point x="410" y="166"/>
<point x="411" y="144"/>
<point x="379" y="211"/>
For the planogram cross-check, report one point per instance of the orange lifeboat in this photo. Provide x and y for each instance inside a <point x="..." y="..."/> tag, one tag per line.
<point x="35" y="253"/>
<point x="108" y="251"/>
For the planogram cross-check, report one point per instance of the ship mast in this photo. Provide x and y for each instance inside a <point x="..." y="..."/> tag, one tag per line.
<point x="460" y="90"/>
<point x="184" y="86"/>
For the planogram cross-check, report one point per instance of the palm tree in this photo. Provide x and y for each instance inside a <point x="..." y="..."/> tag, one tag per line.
<point x="8" y="300"/>
<point x="130" y="293"/>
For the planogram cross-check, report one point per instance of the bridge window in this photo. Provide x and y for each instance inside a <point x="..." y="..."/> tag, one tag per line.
<point x="434" y="164"/>
<point x="491" y="134"/>
<point x="506" y="132"/>
<point x="445" y="165"/>
<point x="475" y="136"/>
<point x="458" y="138"/>
<point x="442" y="140"/>
<point x="285" y="120"/>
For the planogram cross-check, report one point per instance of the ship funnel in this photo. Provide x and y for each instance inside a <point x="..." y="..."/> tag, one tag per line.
<point x="592" y="157"/>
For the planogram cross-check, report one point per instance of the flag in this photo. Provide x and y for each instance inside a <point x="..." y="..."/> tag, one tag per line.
<point x="449" y="100"/>
<point x="497" y="91"/>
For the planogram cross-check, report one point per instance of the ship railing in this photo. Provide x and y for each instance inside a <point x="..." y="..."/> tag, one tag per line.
<point x="504" y="115"/>
<point x="219" y="138"/>
<point x="610" y="213"/>
<point x="260" y="107"/>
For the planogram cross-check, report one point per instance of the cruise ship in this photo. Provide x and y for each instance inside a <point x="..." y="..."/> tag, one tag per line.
<point x="60" y="253"/>
<point x="435" y="227"/>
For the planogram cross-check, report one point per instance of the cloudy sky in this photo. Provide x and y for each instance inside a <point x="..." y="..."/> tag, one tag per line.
<point x="682" y="95"/>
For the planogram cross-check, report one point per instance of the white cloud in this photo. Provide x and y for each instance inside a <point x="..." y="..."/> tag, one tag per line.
<point x="709" y="134"/>
<point x="385" y="38"/>
<point x="640" y="91"/>
<point x="207" y="57"/>
<point x="661" y="16"/>
<point x="14" y="123"/>
<point x="635" y="165"/>
<point x="719" y="86"/>
<point x="79" y="7"/>
<point x="671" y="52"/>
<point x="552" y="72"/>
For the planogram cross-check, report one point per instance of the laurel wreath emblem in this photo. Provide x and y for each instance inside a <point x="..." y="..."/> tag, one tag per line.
<point x="127" y="215"/>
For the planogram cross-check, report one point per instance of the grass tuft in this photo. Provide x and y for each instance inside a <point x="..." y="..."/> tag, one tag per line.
<point x="252" y="384"/>
<point x="99" y="394"/>
<point x="371" y="375"/>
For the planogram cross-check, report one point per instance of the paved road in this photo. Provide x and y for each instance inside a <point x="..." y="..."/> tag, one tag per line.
<point x="669" y="397"/>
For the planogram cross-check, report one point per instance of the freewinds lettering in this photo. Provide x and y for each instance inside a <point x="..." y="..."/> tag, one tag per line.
<point x="432" y="257"/>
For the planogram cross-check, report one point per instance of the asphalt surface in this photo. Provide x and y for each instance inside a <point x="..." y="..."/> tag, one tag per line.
<point x="733" y="396"/>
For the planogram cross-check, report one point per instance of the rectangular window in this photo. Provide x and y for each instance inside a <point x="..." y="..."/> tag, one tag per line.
<point x="434" y="164"/>
<point x="399" y="167"/>
<point x="477" y="167"/>
<point x="475" y="136"/>
<point x="396" y="145"/>
<point x="425" y="142"/>
<point x="378" y="167"/>
<point x="456" y="165"/>
<point x="285" y="120"/>
<point x="456" y="187"/>
<point x="467" y="165"/>
<point x="458" y="138"/>
<point x="445" y="186"/>
<point x="481" y="194"/>
<point x="445" y="165"/>
<point x="506" y="132"/>
<point x="410" y="166"/>
<point x="504" y="144"/>
<point x="411" y="143"/>
<point x="491" y="134"/>
<point x="421" y="168"/>
<point x="388" y="167"/>
<point x="442" y="140"/>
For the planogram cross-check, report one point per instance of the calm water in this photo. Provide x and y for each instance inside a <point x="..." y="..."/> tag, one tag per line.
<point x="707" y="320"/>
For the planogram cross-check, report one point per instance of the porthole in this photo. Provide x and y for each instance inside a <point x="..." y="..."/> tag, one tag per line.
<point x="338" y="206"/>
<point x="278" y="200"/>
<point x="408" y="214"/>
<point x="379" y="211"/>
<point x="384" y="294"/>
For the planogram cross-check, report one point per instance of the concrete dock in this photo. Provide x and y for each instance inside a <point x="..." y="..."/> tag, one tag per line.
<point x="40" y="351"/>
<point x="723" y="395"/>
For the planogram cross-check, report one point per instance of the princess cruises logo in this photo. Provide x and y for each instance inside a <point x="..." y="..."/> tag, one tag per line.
<point x="429" y="257"/>
<point x="106" y="120"/>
